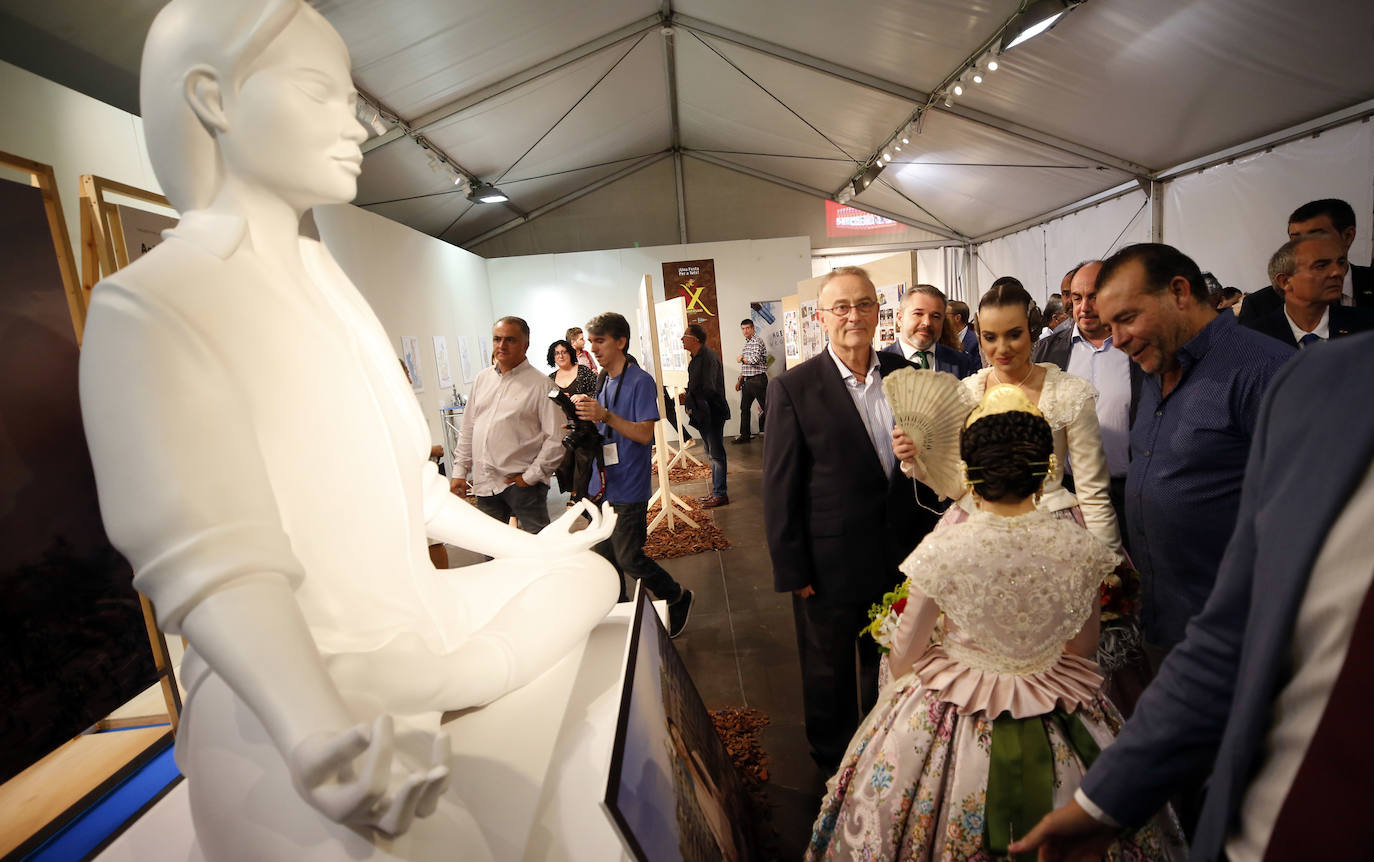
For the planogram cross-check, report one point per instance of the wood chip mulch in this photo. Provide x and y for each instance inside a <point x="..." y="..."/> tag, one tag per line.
<point x="739" y="729"/>
<point x="683" y="541"/>
<point x="686" y="472"/>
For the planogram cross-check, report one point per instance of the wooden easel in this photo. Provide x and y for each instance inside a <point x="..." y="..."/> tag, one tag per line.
<point x="679" y="453"/>
<point x="674" y="508"/>
<point x="104" y="252"/>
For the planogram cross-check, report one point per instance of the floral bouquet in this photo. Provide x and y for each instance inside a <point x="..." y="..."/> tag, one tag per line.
<point x="884" y="617"/>
<point x="1119" y="596"/>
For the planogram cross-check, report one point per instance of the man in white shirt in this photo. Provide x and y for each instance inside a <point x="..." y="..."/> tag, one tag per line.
<point x="1309" y="272"/>
<point x="511" y="441"/>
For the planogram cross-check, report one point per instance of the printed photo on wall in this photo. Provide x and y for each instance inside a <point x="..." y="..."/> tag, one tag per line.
<point x="768" y="325"/>
<point x="791" y="334"/>
<point x="673" y="792"/>
<point x="410" y="354"/>
<point x="465" y="357"/>
<point x="441" y="362"/>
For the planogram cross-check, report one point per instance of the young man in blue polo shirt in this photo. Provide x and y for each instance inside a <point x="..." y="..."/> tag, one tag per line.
<point x="625" y="410"/>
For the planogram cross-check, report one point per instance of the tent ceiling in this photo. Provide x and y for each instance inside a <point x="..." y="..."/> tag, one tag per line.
<point x="550" y="103"/>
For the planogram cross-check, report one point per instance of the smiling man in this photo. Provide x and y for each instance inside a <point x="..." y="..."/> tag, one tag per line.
<point x="838" y="513"/>
<point x="920" y="321"/>
<point x="1191" y="437"/>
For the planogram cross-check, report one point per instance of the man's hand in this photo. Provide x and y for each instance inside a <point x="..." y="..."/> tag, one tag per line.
<point x="588" y="408"/>
<point x="458" y="485"/>
<point x="1067" y="833"/>
<point x="518" y="480"/>
<point x="740" y="359"/>
<point x="903" y="446"/>
<point x="739" y="384"/>
<point x="805" y="592"/>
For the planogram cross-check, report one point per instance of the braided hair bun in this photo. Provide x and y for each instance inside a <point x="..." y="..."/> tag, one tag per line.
<point x="1007" y="455"/>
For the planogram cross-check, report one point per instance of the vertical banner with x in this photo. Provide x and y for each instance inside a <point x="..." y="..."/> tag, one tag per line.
<point x="695" y="282"/>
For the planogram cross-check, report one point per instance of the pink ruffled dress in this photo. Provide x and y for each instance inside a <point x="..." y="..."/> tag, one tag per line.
<point x="1000" y="615"/>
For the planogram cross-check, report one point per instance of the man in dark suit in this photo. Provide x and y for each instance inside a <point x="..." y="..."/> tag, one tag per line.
<point x="1309" y="271"/>
<point x="1329" y="214"/>
<point x="707" y="409"/>
<point x="839" y="515"/>
<point x="958" y="317"/>
<point x="1266" y="692"/>
<point x="920" y="321"/>
<point x="1085" y="349"/>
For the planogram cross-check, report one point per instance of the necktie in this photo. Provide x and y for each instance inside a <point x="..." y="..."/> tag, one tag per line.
<point x="1332" y="784"/>
<point x="923" y="358"/>
<point x="1308" y="340"/>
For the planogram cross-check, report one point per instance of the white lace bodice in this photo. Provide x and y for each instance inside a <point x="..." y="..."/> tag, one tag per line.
<point x="1069" y="404"/>
<point x="1016" y="589"/>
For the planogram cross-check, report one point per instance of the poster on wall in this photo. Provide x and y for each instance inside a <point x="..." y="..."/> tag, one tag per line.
<point x="695" y="282"/>
<point x="142" y="229"/>
<point x="813" y="336"/>
<point x="441" y="362"/>
<point x="767" y="315"/>
<point x="671" y="317"/>
<point x="73" y="647"/>
<point x="410" y="354"/>
<point x="889" y="304"/>
<point x="465" y="357"/>
<point x="672" y="791"/>
<point x="791" y="334"/>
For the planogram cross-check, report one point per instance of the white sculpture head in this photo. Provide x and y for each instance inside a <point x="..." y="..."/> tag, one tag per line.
<point x="253" y="94"/>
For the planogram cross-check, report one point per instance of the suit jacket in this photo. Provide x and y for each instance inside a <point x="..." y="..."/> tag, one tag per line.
<point x="705" y="395"/>
<point x="970" y="341"/>
<point x="1343" y="321"/>
<point x="1211" y="704"/>
<point x="1057" y="349"/>
<point x="1267" y="300"/>
<point x="947" y="359"/>
<point x="833" y="518"/>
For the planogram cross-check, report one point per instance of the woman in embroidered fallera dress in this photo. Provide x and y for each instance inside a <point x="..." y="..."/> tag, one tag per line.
<point x="995" y="711"/>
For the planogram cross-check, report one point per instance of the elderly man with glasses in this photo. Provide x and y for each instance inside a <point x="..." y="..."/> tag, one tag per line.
<point x="838" y="512"/>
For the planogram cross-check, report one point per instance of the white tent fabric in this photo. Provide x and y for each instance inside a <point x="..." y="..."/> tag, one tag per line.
<point x="1231" y="218"/>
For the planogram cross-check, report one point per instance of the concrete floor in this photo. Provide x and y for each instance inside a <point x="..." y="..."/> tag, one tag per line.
<point x="740" y="645"/>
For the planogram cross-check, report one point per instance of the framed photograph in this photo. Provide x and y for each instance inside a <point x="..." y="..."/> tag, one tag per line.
<point x="441" y="362"/>
<point x="672" y="792"/>
<point x="410" y="353"/>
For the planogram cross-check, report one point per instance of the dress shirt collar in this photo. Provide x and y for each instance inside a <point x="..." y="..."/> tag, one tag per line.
<point x="1077" y="336"/>
<point x="910" y="350"/>
<point x="1196" y="349"/>
<point x="525" y="361"/>
<point x="1322" y="330"/>
<point x="1348" y="287"/>
<point x="845" y="373"/>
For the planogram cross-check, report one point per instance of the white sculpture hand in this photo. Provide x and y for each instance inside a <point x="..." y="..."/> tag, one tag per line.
<point x="558" y="536"/>
<point x="325" y="774"/>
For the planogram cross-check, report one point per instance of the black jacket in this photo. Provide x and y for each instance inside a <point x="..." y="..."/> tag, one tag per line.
<point x="1059" y="346"/>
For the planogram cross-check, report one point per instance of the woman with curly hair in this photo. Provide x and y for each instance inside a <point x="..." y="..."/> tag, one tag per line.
<point x="581" y="442"/>
<point x="996" y="710"/>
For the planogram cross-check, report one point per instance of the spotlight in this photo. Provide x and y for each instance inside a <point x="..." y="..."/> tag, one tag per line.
<point x="906" y="135"/>
<point x="486" y="193"/>
<point x="887" y="156"/>
<point x="992" y="65"/>
<point x="896" y="148"/>
<point x="1038" y="17"/>
<point x="977" y="77"/>
<point x="958" y="89"/>
<point x="949" y="100"/>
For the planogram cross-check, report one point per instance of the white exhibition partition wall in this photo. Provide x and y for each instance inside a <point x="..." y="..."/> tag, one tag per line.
<point x="1232" y="217"/>
<point x="555" y="291"/>
<point x="417" y="285"/>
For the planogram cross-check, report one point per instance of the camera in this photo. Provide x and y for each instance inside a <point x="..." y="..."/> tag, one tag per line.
<point x="581" y="433"/>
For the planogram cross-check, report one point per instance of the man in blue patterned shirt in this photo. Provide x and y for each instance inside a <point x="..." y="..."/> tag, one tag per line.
<point x="753" y="379"/>
<point x="1189" y="444"/>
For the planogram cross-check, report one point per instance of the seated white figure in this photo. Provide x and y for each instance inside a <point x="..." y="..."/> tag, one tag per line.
<point x="264" y="466"/>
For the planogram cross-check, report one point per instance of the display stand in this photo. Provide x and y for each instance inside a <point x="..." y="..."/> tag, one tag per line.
<point x="103" y="253"/>
<point x="451" y="420"/>
<point x="673" y="508"/>
<point x="530" y="767"/>
<point x="679" y="453"/>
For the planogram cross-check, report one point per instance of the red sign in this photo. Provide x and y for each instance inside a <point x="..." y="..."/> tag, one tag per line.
<point x="845" y="220"/>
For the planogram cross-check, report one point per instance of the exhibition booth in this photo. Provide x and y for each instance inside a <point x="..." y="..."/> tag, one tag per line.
<point x="597" y="747"/>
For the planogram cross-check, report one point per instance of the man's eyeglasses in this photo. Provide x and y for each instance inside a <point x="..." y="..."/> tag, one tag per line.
<point x="842" y="309"/>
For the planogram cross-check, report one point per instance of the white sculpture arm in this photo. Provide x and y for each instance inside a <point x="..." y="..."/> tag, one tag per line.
<point x="450" y="519"/>
<point x="283" y="680"/>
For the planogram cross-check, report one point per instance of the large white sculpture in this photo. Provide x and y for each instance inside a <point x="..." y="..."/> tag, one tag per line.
<point x="263" y="464"/>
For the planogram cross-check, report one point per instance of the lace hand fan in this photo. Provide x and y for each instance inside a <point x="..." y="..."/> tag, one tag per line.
<point x="931" y="407"/>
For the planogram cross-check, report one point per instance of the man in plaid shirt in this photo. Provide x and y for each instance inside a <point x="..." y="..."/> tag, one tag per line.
<point x="753" y="379"/>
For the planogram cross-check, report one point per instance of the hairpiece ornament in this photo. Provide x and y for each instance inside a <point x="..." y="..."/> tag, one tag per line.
<point x="1003" y="398"/>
